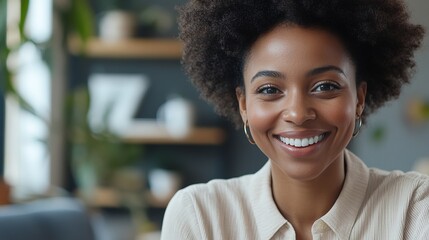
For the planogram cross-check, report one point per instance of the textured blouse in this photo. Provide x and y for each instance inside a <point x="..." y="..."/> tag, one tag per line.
<point x="373" y="204"/>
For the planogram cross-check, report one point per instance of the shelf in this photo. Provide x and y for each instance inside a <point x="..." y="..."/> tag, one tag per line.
<point x="151" y="132"/>
<point x="110" y="198"/>
<point x="159" y="48"/>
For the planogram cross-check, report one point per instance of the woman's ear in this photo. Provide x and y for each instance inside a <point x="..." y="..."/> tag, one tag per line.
<point x="361" y="95"/>
<point x="241" y="98"/>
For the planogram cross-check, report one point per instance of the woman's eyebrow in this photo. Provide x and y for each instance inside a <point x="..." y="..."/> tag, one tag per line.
<point x="267" y="73"/>
<point x="313" y="72"/>
<point x="324" y="69"/>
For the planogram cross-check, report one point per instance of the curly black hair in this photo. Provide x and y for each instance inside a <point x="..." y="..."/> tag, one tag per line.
<point x="217" y="35"/>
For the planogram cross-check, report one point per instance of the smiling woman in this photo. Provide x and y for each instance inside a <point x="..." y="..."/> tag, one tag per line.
<point x="302" y="77"/>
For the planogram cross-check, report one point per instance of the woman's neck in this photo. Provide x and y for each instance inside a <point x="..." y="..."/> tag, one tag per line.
<point x="303" y="202"/>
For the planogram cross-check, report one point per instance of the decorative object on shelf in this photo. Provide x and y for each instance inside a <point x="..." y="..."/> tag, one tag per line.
<point x="116" y="94"/>
<point x="126" y="19"/>
<point x="117" y="20"/>
<point x="177" y="114"/>
<point x="154" y="21"/>
<point x="117" y="25"/>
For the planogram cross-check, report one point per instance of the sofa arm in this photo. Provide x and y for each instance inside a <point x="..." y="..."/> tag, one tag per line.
<point x="48" y="219"/>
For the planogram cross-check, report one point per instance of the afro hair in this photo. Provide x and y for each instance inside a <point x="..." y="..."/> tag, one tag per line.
<point x="217" y="35"/>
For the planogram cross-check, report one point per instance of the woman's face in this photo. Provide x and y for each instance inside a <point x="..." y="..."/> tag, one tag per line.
<point x="300" y="99"/>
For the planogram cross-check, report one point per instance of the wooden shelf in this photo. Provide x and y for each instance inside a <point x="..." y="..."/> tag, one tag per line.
<point x="151" y="132"/>
<point x="131" y="48"/>
<point x="111" y="198"/>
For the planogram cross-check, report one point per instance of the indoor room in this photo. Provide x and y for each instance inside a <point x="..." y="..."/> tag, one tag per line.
<point x="101" y="124"/>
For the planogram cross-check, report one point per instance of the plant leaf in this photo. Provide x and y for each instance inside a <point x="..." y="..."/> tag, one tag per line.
<point x="81" y="18"/>
<point x="23" y="18"/>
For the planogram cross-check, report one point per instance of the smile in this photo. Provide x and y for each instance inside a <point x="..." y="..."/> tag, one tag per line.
<point x="302" y="142"/>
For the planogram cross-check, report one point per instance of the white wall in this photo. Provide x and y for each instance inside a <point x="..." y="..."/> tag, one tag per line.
<point x="403" y="143"/>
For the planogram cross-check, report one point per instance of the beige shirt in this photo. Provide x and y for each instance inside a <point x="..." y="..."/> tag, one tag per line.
<point x="373" y="204"/>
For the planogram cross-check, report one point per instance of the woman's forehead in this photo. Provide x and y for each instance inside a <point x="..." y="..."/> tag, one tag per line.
<point x="297" y="47"/>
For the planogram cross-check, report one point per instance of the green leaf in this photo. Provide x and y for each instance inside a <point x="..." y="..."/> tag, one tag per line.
<point x="81" y="19"/>
<point x="23" y="17"/>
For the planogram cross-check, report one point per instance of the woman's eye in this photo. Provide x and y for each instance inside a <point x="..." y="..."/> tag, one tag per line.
<point x="326" y="87"/>
<point x="268" y="90"/>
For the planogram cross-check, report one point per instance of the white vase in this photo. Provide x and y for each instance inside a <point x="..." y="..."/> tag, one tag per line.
<point x="177" y="114"/>
<point x="117" y="25"/>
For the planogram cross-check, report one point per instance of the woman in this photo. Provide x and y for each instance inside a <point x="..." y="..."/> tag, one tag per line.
<point x="301" y="77"/>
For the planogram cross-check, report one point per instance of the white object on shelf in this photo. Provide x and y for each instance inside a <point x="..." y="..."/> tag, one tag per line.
<point x="178" y="116"/>
<point x="117" y="25"/>
<point x="120" y="94"/>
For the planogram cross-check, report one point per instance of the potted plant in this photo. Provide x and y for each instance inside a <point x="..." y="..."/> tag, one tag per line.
<point x="95" y="155"/>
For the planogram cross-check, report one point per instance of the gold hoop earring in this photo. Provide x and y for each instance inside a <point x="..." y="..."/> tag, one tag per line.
<point x="248" y="136"/>
<point x="358" y="123"/>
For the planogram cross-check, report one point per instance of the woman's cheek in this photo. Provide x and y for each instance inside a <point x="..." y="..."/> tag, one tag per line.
<point x="343" y="120"/>
<point x="261" y="116"/>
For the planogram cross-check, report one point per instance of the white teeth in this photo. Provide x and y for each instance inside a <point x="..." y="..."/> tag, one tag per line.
<point x="304" y="142"/>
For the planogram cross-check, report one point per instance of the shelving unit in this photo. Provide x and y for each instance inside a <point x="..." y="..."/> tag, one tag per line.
<point x="147" y="132"/>
<point x="157" y="48"/>
<point x="197" y="144"/>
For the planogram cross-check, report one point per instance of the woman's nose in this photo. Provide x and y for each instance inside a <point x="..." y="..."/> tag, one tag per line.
<point x="298" y="109"/>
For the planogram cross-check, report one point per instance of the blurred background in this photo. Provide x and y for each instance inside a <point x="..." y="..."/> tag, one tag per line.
<point x="99" y="122"/>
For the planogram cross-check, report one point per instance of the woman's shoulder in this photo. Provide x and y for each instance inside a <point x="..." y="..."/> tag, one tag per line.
<point x="411" y="180"/>
<point x="199" y="208"/>
<point x="210" y="210"/>
<point x="399" y="187"/>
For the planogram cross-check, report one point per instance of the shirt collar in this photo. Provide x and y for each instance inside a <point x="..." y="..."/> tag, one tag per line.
<point x="340" y="217"/>
<point x="267" y="216"/>
<point x="343" y="214"/>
